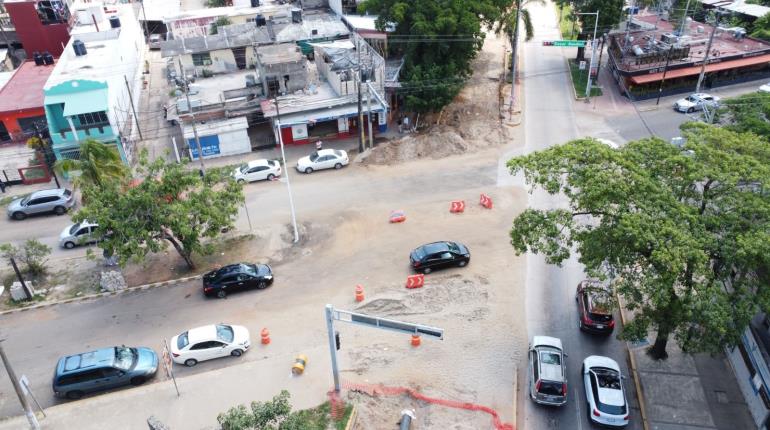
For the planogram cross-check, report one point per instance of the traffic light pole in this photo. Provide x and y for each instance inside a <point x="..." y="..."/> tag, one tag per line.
<point x="593" y="55"/>
<point x="333" y="346"/>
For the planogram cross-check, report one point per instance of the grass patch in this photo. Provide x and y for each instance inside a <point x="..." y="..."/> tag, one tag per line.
<point x="568" y="29"/>
<point x="11" y="304"/>
<point x="580" y="79"/>
<point x="6" y="200"/>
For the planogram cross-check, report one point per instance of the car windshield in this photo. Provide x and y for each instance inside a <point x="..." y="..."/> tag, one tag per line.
<point x="550" y="358"/>
<point x="692" y="99"/>
<point x="124" y="357"/>
<point x="338" y="153"/>
<point x="314" y="156"/>
<point x="225" y="333"/>
<point x="453" y="247"/>
<point x="25" y="200"/>
<point x="244" y="167"/>
<point x="182" y="341"/>
<point x="67" y="193"/>
<point x="74" y="228"/>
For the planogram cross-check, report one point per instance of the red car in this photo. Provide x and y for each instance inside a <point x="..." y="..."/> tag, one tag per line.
<point x="594" y="301"/>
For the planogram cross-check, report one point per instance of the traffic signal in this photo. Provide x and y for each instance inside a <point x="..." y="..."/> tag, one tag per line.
<point x="547" y="43"/>
<point x="337" y="339"/>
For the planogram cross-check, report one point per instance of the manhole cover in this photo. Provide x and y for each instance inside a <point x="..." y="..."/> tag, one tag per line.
<point x="721" y="396"/>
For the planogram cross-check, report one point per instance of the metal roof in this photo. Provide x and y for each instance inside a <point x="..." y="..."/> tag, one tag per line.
<point x="24" y="89"/>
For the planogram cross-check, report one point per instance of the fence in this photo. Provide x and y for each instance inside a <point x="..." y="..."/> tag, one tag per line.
<point x="26" y="175"/>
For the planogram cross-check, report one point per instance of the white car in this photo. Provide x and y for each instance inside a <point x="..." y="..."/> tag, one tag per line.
<point x="209" y="342"/>
<point x="695" y="102"/>
<point x="765" y="88"/>
<point x="74" y="235"/>
<point x="257" y="170"/>
<point x="323" y="159"/>
<point x="605" y="395"/>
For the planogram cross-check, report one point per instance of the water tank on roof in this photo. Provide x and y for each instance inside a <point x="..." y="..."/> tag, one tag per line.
<point x="38" y="58"/>
<point x="79" y="47"/>
<point x="296" y="15"/>
<point x="637" y="50"/>
<point x="47" y="58"/>
<point x="261" y="21"/>
<point x="114" y="22"/>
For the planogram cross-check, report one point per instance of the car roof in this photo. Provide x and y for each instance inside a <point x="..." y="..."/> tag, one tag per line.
<point x="547" y="341"/>
<point x="601" y="361"/>
<point x="259" y="162"/>
<point x="103" y="357"/>
<point x="230" y="269"/>
<point x="49" y="192"/>
<point x="551" y="372"/>
<point x="433" y="247"/>
<point x="84" y="223"/>
<point x="201" y="334"/>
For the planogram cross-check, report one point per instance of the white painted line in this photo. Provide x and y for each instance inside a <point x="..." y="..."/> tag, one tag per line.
<point x="577" y="410"/>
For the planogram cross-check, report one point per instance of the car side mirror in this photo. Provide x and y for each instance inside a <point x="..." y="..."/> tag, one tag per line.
<point x="565" y="354"/>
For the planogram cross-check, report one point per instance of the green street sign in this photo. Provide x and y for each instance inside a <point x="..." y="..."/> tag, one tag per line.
<point x="568" y="43"/>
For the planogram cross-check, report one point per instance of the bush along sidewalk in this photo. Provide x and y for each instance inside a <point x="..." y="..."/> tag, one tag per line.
<point x="580" y="79"/>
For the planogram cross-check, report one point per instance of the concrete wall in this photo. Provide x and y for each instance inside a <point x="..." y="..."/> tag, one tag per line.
<point x="742" y="374"/>
<point x="32" y="34"/>
<point x="222" y="61"/>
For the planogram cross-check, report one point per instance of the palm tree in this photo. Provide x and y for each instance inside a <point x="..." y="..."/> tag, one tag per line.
<point x="98" y="164"/>
<point x="507" y="22"/>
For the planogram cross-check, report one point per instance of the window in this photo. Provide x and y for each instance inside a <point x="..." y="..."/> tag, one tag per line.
<point x="182" y="341"/>
<point x="4" y="135"/>
<point x="225" y="333"/>
<point x="199" y="346"/>
<point x="93" y="118"/>
<point x="201" y="59"/>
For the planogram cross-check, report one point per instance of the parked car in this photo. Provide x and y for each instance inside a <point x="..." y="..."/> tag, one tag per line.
<point x="209" y="342"/>
<point x="605" y="395"/>
<point x="81" y="233"/>
<point x="547" y="371"/>
<point x="764" y="88"/>
<point x="594" y="301"/>
<point x="154" y="41"/>
<point x="257" y="170"/>
<point x="103" y="369"/>
<point x="695" y="102"/>
<point x="323" y="159"/>
<point x="57" y="200"/>
<point x="439" y="255"/>
<point x="236" y="277"/>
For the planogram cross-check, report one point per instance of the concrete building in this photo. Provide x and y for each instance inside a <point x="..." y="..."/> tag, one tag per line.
<point x="198" y="22"/>
<point x="639" y="63"/>
<point x="749" y="360"/>
<point x="41" y="26"/>
<point x="89" y="92"/>
<point x="281" y="69"/>
<point x="21" y="103"/>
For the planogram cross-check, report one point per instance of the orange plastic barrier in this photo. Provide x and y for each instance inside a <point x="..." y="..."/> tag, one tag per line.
<point x="415" y="281"/>
<point x="265" y="335"/>
<point x="485" y="201"/>
<point x="397" y="216"/>
<point x="457" y="206"/>
<point x="359" y="293"/>
<point x="415" y="340"/>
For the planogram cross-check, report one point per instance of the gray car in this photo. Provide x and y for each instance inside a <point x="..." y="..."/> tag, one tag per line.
<point x="57" y="200"/>
<point x="81" y="233"/>
<point x="103" y="369"/>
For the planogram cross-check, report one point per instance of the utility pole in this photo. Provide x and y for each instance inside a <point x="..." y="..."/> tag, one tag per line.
<point x="593" y="55"/>
<point x="286" y="169"/>
<point x="665" y="69"/>
<point x="514" y="50"/>
<point x="33" y="424"/>
<point x="21" y="278"/>
<point x="708" y="51"/>
<point x="361" y="137"/>
<point x="133" y="109"/>
<point x="146" y="29"/>
<point x="190" y="108"/>
<point x="329" y="311"/>
<point x="683" y="27"/>
<point x="369" y="114"/>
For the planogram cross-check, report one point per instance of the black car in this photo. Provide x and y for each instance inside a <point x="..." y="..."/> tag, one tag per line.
<point x="594" y="301"/>
<point x="236" y="277"/>
<point x="439" y="255"/>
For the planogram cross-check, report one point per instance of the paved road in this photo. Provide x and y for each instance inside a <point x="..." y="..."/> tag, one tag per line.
<point x="550" y="119"/>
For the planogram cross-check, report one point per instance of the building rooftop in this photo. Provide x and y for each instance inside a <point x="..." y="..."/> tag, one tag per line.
<point x="211" y="90"/>
<point x="24" y="90"/>
<point x="4" y="78"/>
<point x="271" y="6"/>
<point x="279" y="54"/>
<point x="361" y="22"/>
<point x="224" y="40"/>
<point x="158" y="10"/>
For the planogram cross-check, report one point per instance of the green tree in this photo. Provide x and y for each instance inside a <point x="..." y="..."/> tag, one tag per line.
<point x="610" y="15"/>
<point x="171" y="205"/>
<point x="438" y="40"/>
<point x="761" y="28"/>
<point x="262" y="415"/>
<point x="684" y="233"/>
<point x="747" y="113"/>
<point x="99" y="164"/>
<point x="32" y="256"/>
<point x="221" y="21"/>
<point x="216" y="3"/>
<point x="507" y="21"/>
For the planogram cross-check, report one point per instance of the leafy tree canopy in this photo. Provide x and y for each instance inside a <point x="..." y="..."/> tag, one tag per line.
<point x="747" y="113"/>
<point x="220" y="22"/>
<point x="99" y="164"/>
<point x="761" y="27"/>
<point x="684" y="233"/>
<point x="171" y="205"/>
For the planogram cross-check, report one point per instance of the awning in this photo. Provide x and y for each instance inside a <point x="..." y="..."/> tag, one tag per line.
<point x="85" y="102"/>
<point x="694" y="70"/>
<point x="321" y="115"/>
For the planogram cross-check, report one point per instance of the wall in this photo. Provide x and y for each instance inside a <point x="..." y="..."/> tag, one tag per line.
<point x="33" y="34"/>
<point x="336" y="6"/>
<point x="10" y="119"/>
<point x="744" y="378"/>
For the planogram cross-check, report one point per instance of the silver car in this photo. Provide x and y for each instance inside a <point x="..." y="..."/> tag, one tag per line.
<point x="81" y="233"/>
<point x="57" y="200"/>
<point x="547" y="371"/>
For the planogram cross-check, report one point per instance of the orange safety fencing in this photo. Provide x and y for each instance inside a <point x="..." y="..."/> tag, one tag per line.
<point x="375" y="390"/>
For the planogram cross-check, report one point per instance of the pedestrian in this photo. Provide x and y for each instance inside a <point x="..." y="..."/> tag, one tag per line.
<point x="400" y="130"/>
<point x="319" y="145"/>
<point x="165" y="111"/>
<point x="2" y="186"/>
<point x="406" y="124"/>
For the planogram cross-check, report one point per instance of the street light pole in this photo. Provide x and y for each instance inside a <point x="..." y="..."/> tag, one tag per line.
<point x="286" y="170"/>
<point x="708" y="51"/>
<point x="33" y="424"/>
<point x="593" y="54"/>
<point x="190" y="108"/>
<point x="514" y="45"/>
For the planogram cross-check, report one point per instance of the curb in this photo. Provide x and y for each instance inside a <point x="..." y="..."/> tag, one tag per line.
<point x="634" y="373"/>
<point x="571" y="82"/>
<point x="105" y="294"/>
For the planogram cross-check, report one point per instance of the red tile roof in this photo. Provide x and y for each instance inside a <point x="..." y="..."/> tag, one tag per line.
<point x="25" y="88"/>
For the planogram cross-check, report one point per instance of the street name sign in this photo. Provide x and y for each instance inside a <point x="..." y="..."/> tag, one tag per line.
<point x="565" y="43"/>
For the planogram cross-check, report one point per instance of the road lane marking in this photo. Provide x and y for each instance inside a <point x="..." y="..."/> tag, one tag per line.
<point x="577" y="409"/>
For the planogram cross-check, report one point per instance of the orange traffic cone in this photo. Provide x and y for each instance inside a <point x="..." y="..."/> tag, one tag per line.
<point x="415" y="340"/>
<point x="359" y="293"/>
<point x="265" y="336"/>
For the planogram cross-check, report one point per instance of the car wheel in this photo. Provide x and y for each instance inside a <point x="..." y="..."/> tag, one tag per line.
<point x="74" y="395"/>
<point x="261" y="285"/>
<point x="19" y="216"/>
<point x="190" y="362"/>
<point x="338" y="166"/>
<point x="309" y="170"/>
<point x="691" y="110"/>
<point x="221" y="294"/>
<point x="59" y="210"/>
<point x="69" y="245"/>
<point x="427" y="270"/>
<point x="270" y="177"/>
<point x="462" y="263"/>
<point x="236" y="353"/>
<point x="138" y="380"/>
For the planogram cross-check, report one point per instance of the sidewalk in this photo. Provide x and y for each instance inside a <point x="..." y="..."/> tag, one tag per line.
<point x="203" y="396"/>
